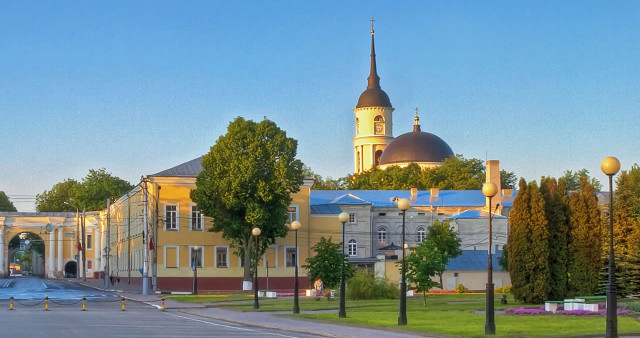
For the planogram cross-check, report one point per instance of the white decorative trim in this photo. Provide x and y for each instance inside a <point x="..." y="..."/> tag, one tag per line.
<point x="164" y="218"/>
<point x="177" y="247"/>
<point x="215" y="257"/>
<point x="285" y="255"/>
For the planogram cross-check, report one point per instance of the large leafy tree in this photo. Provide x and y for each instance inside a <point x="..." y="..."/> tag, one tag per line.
<point x="246" y="182"/>
<point x="98" y="187"/>
<point x="557" y="215"/>
<point x="446" y="242"/>
<point x="585" y="228"/>
<point x="5" y="203"/>
<point x="327" y="262"/>
<point x="54" y="199"/>
<point x="92" y="194"/>
<point x="422" y="264"/>
<point x="572" y="180"/>
<point x="528" y="245"/>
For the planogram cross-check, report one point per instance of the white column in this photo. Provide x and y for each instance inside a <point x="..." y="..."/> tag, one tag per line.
<point x="52" y="252"/>
<point x="2" y="252"/>
<point x="60" y="249"/>
<point x="97" y="250"/>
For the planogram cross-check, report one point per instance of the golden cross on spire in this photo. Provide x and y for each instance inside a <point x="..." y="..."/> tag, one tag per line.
<point x="416" y="119"/>
<point x="372" y="20"/>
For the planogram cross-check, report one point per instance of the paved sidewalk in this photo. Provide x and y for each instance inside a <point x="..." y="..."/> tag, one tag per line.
<point x="272" y="320"/>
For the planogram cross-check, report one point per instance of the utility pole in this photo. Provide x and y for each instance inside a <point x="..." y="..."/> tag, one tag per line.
<point x="155" y="237"/>
<point x="128" y="239"/>
<point x="107" y="248"/>
<point x="145" y="236"/>
<point x="84" y="247"/>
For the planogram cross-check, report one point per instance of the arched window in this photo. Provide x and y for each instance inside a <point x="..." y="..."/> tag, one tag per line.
<point x="421" y="234"/>
<point x="357" y="126"/>
<point x="382" y="235"/>
<point x="378" y="125"/>
<point x="378" y="155"/>
<point x="357" y="161"/>
<point x="353" y="248"/>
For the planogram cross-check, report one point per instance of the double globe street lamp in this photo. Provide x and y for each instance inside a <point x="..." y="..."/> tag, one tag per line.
<point x="489" y="189"/>
<point x="610" y="166"/>
<point x="403" y="205"/>
<point x="295" y="226"/>
<point x="343" y="217"/>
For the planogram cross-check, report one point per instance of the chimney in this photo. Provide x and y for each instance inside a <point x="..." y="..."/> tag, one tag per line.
<point x="414" y="194"/>
<point x="493" y="175"/>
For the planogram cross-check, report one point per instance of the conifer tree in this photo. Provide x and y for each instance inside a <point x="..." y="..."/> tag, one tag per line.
<point x="518" y="243"/>
<point x="556" y="211"/>
<point x="626" y="237"/>
<point x="585" y="224"/>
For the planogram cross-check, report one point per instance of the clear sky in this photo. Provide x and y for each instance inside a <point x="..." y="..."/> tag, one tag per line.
<point x="137" y="87"/>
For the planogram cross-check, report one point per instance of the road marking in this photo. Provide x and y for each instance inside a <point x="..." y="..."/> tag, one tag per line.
<point x="45" y="285"/>
<point x="228" y="326"/>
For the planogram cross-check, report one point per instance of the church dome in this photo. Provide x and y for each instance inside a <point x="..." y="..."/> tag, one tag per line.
<point x="374" y="97"/>
<point x="416" y="147"/>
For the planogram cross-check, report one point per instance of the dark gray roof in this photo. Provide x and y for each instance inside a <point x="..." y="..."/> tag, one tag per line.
<point x="187" y="169"/>
<point x="416" y="146"/>
<point x="373" y="96"/>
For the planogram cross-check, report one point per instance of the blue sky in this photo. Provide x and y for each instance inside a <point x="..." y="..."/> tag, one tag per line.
<point x="138" y="87"/>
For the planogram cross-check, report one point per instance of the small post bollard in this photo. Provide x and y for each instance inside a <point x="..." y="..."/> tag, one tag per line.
<point x="122" y="303"/>
<point x="84" y="303"/>
<point x="46" y="302"/>
<point x="162" y="303"/>
<point x="11" y="303"/>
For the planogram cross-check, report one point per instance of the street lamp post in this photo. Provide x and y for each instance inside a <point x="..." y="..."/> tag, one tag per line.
<point x="295" y="225"/>
<point x="403" y="204"/>
<point x="343" y="217"/>
<point x="489" y="189"/>
<point x="256" y="232"/>
<point x="195" y="261"/>
<point x="610" y="166"/>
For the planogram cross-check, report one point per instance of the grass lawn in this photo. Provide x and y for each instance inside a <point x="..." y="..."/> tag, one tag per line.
<point x="447" y="314"/>
<point x="210" y="298"/>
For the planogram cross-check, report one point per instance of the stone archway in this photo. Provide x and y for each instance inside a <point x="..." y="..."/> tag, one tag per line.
<point x="26" y="254"/>
<point x="71" y="269"/>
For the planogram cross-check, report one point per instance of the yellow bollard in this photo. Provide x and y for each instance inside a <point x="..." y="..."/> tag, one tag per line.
<point x="46" y="302"/>
<point x="84" y="304"/>
<point x="162" y="303"/>
<point x="11" y="303"/>
<point x="122" y="303"/>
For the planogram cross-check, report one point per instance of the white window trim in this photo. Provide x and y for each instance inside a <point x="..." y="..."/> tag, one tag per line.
<point x="349" y="248"/>
<point x="215" y="257"/>
<point x="296" y="214"/>
<point x="285" y="255"/>
<point x="386" y="234"/>
<point x="89" y="242"/>
<point x="202" y="251"/>
<point x="177" y="205"/>
<point x="424" y="230"/>
<point x="191" y="218"/>
<point x="177" y="247"/>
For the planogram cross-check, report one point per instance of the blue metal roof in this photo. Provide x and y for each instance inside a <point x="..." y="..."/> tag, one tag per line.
<point x="474" y="260"/>
<point x="474" y="214"/>
<point x="385" y="198"/>
<point x="325" y="209"/>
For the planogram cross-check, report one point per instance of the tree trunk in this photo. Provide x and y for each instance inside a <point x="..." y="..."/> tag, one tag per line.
<point x="424" y="294"/>
<point x="247" y="261"/>
<point x="441" y="285"/>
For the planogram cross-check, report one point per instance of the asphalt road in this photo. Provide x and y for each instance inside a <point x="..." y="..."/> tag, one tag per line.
<point x="103" y="316"/>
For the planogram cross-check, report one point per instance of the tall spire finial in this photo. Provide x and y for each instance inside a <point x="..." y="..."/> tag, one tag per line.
<point x="416" y="124"/>
<point x="373" y="79"/>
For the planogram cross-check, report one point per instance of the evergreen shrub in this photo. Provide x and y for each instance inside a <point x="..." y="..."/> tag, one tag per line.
<point x="363" y="285"/>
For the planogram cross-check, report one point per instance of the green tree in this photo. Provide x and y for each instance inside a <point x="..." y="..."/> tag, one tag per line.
<point x="246" y="182"/>
<point x="503" y="260"/>
<point x="528" y="245"/>
<point x="54" y="199"/>
<point x="572" y="179"/>
<point x="97" y="187"/>
<point x="327" y="262"/>
<point x="5" y="203"/>
<point x="424" y="262"/>
<point x="456" y="173"/>
<point x="626" y="230"/>
<point x="508" y="179"/>
<point x="585" y="244"/>
<point x="557" y="215"/>
<point x="324" y="184"/>
<point x="447" y="243"/>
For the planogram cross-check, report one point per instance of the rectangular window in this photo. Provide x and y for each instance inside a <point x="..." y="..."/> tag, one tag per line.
<point x="197" y="258"/>
<point x="170" y="257"/>
<point x="196" y="218"/>
<point x="89" y="242"/>
<point x="171" y="217"/>
<point x="221" y="257"/>
<point x="89" y="264"/>
<point x="352" y="218"/>
<point x="291" y="258"/>
<point x="293" y="215"/>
